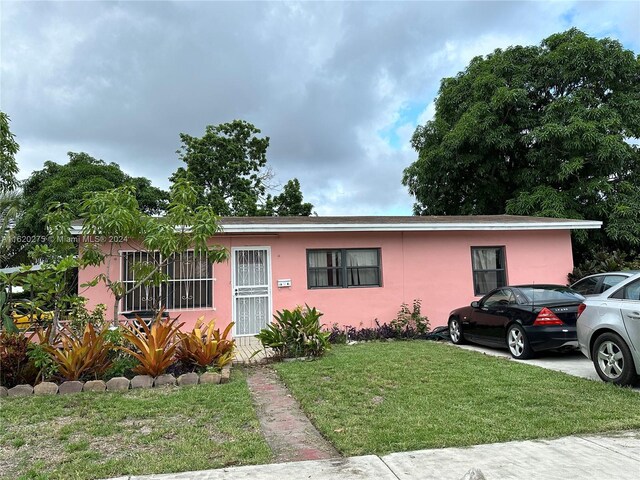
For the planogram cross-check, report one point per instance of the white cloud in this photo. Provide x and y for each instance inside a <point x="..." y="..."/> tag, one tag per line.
<point x="330" y="83"/>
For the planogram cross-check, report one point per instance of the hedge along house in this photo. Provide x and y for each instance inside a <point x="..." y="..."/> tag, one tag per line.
<point x="354" y="269"/>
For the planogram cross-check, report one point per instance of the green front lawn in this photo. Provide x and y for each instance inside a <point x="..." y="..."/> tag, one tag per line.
<point x="143" y="431"/>
<point x="378" y="398"/>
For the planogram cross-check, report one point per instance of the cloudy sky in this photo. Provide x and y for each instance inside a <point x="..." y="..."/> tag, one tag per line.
<point x="338" y="87"/>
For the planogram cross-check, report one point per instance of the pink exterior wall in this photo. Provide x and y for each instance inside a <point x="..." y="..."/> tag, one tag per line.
<point x="432" y="266"/>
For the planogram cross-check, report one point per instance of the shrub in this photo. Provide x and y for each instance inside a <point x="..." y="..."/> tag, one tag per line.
<point x="76" y="356"/>
<point x="155" y="347"/>
<point x="121" y="366"/>
<point x="203" y="347"/>
<point x="80" y="317"/>
<point x="602" y="262"/>
<point x="14" y="362"/>
<point x="296" y="333"/>
<point x="41" y="360"/>
<point x="409" y="324"/>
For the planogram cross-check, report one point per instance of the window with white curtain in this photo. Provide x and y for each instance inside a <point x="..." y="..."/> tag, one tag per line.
<point x="343" y="268"/>
<point x="489" y="271"/>
<point x="189" y="282"/>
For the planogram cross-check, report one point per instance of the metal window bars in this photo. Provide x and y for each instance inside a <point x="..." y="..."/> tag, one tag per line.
<point x="189" y="284"/>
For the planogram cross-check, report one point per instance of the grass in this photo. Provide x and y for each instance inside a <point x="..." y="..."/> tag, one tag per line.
<point x="378" y="398"/>
<point x="139" y="432"/>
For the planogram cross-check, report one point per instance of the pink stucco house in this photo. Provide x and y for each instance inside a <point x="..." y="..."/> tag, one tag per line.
<point x="354" y="269"/>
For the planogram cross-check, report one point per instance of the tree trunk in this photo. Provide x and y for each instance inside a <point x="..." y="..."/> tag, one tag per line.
<point x="55" y="325"/>
<point x="115" y="321"/>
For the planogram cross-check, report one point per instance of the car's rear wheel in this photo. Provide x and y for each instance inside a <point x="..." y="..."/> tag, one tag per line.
<point x="455" y="331"/>
<point x="612" y="359"/>
<point x="518" y="342"/>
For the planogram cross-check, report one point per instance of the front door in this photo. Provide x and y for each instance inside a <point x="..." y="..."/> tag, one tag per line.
<point x="251" y="287"/>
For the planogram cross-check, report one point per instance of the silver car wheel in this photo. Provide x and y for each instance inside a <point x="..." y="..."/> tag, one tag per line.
<point x="610" y="360"/>
<point x="516" y="342"/>
<point x="454" y="331"/>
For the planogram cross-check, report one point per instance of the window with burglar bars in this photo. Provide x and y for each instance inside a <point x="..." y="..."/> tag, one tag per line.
<point x="189" y="282"/>
<point x="344" y="268"/>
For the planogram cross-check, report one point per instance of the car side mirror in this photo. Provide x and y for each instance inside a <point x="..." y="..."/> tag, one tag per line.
<point x="475" y="304"/>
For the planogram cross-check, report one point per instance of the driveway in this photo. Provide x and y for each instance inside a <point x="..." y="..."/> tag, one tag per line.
<point x="572" y="363"/>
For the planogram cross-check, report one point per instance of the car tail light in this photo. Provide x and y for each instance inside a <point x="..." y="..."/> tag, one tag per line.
<point x="546" y="318"/>
<point x="581" y="308"/>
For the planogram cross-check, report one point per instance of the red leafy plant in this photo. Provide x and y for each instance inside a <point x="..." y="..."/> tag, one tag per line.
<point x="206" y="346"/>
<point x="78" y="356"/>
<point x="155" y="346"/>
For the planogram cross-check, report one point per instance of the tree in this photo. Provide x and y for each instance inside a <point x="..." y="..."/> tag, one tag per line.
<point x="115" y="214"/>
<point x="8" y="149"/>
<point x="229" y="166"/>
<point x="289" y="203"/>
<point x="540" y="130"/>
<point x="10" y="198"/>
<point x="70" y="183"/>
<point x="10" y="209"/>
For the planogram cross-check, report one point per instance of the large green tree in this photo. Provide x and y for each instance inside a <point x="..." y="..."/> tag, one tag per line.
<point x="8" y="149"/>
<point x="289" y="203"/>
<point x="538" y="130"/>
<point x="228" y="164"/>
<point x="71" y="182"/>
<point x="10" y="198"/>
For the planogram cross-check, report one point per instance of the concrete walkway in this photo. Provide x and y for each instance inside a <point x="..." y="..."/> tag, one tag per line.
<point x="249" y="351"/>
<point x="611" y="456"/>
<point x="286" y="428"/>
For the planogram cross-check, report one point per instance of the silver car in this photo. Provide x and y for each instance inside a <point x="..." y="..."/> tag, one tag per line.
<point x="599" y="282"/>
<point x="608" y="330"/>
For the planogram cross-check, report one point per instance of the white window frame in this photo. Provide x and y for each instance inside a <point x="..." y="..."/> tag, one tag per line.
<point x="209" y="305"/>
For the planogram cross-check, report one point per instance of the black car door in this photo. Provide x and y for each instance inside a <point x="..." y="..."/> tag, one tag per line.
<point x="492" y="315"/>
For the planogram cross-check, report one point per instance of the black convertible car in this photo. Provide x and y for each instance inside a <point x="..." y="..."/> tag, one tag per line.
<point x="524" y="318"/>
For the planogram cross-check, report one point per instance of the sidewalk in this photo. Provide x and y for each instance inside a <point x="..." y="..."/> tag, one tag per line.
<point x="597" y="457"/>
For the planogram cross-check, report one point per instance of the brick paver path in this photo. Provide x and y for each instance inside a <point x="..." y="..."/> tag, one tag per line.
<point x="289" y="433"/>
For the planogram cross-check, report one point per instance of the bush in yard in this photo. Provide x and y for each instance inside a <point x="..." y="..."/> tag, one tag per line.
<point x="155" y="346"/>
<point x="296" y="333"/>
<point x="603" y="262"/>
<point x="409" y="324"/>
<point x="205" y="346"/>
<point x="122" y="364"/>
<point x="15" y="367"/>
<point x="79" y="356"/>
<point x="80" y="316"/>
<point x="43" y="362"/>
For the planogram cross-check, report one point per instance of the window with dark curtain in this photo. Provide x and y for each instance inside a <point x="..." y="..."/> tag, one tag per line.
<point x="489" y="271"/>
<point x="343" y="268"/>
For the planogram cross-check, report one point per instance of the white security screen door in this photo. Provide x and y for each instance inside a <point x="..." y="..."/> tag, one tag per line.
<point x="251" y="284"/>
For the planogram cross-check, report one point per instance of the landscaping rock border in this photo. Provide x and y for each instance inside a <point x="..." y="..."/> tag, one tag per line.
<point x="118" y="384"/>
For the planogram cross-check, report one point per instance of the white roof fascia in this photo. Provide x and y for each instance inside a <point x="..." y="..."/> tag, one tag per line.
<point x="399" y="227"/>
<point x="409" y="227"/>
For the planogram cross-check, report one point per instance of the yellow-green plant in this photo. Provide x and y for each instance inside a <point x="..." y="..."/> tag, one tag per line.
<point x="155" y="346"/>
<point x="205" y="345"/>
<point x="78" y="356"/>
<point x="295" y="333"/>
